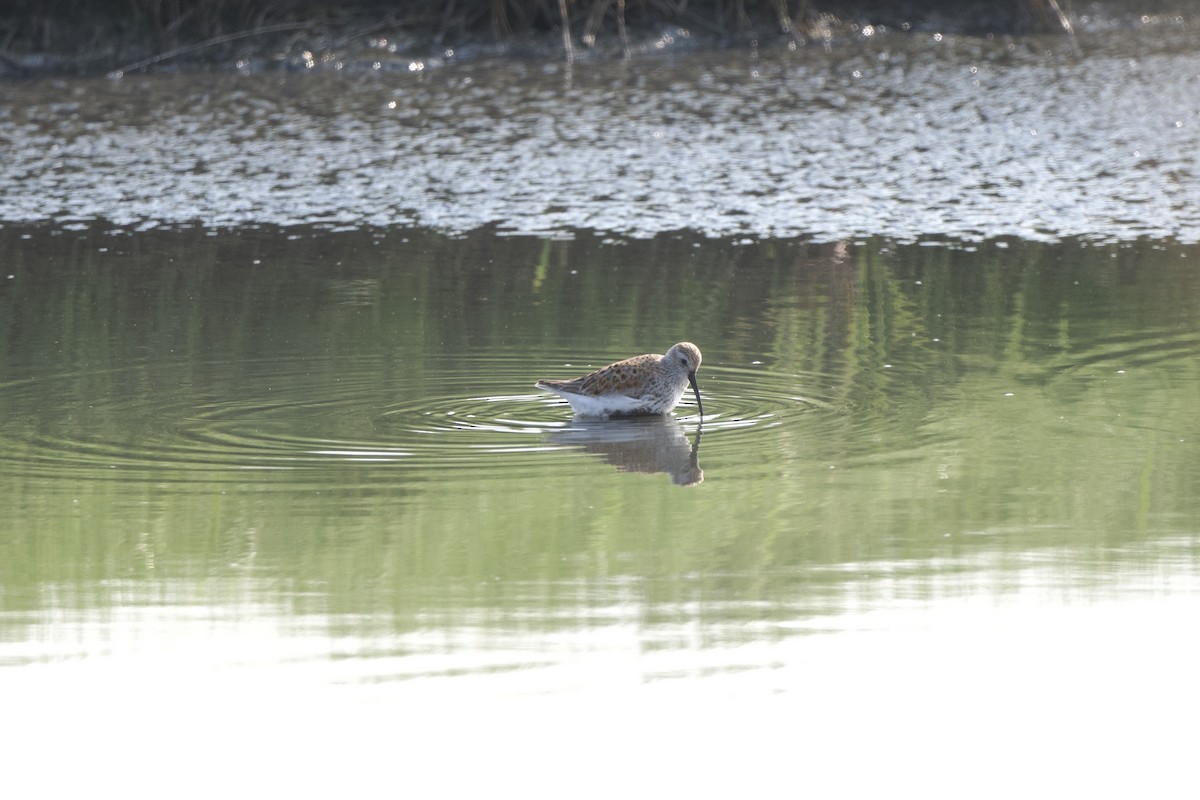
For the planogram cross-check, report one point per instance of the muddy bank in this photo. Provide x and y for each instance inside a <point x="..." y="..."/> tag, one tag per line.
<point x="58" y="36"/>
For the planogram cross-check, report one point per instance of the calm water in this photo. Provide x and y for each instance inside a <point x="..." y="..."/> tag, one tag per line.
<point x="265" y="486"/>
<point x="284" y="510"/>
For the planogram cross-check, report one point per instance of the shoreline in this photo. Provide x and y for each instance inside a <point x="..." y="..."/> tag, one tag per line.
<point x="53" y="37"/>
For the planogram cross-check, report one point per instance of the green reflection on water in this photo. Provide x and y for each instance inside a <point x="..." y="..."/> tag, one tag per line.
<point x="344" y="424"/>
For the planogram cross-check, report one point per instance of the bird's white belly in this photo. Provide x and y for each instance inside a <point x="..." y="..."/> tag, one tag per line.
<point x="607" y="405"/>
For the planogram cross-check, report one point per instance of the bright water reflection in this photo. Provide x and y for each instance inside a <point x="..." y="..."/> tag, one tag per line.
<point x="896" y="135"/>
<point x="307" y="480"/>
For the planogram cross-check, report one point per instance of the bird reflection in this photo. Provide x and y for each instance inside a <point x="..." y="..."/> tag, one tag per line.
<point x="639" y="444"/>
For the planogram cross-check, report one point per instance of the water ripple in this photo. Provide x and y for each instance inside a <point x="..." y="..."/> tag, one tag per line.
<point x="965" y="139"/>
<point x="296" y="420"/>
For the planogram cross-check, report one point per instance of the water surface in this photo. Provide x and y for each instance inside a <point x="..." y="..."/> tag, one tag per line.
<point x="891" y="134"/>
<point x="283" y="508"/>
<point x="303" y="479"/>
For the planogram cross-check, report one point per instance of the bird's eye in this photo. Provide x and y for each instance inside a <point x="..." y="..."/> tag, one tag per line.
<point x="683" y="361"/>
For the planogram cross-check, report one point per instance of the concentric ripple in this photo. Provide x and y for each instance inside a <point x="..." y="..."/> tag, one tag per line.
<point x="305" y="420"/>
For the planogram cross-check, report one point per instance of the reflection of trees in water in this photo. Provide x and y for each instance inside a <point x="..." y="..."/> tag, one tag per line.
<point x="918" y="345"/>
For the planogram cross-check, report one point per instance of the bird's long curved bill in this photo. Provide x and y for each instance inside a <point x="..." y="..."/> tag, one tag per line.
<point x="696" y="390"/>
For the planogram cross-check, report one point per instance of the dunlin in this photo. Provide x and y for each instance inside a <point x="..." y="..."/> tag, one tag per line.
<point x="642" y="385"/>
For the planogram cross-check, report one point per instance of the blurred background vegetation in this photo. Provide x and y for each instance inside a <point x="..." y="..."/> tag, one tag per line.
<point x="107" y="32"/>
